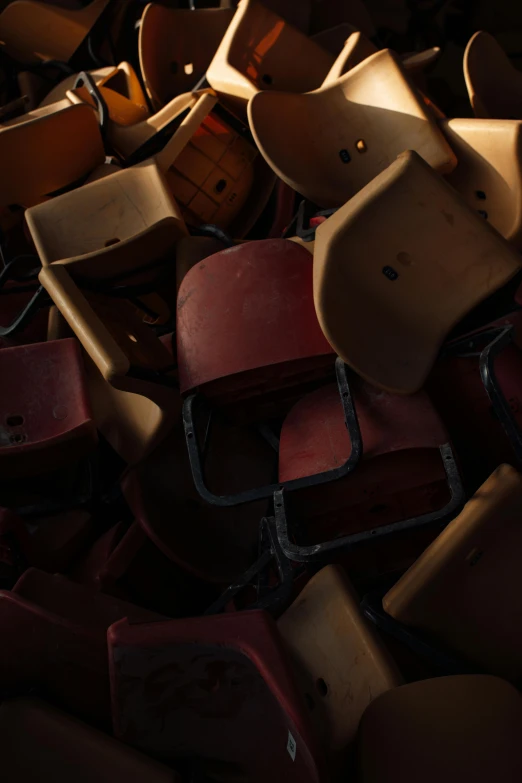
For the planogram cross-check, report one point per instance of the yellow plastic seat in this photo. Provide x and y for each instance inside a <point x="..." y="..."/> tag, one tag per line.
<point x="489" y="173"/>
<point x="213" y="171"/>
<point x="132" y="411"/>
<point x="339" y="661"/>
<point x="465" y="589"/>
<point x="176" y="46"/>
<point x="397" y="267"/>
<point x="494" y="84"/>
<point x="32" y="31"/>
<point x="450" y="728"/>
<point x="119" y="87"/>
<point x="46" y="150"/>
<point x="41" y="742"/>
<point x="261" y="51"/>
<point x="347" y="132"/>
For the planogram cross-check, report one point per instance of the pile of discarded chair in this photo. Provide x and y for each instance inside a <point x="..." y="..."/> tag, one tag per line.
<point x="260" y="400"/>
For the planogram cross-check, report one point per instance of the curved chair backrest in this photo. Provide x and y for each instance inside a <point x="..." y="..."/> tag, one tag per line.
<point x="176" y="47"/>
<point x="46" y="150"/>
<point x="465" y="727"/>
<point x="465" y="589"/>
<point x="32" y="31"/>
<point x="122" y="93"/>
<point x="131" y="409"/>
<point x="261" y="51"/>
<point x="340" y="663"/>
<point x="489" y="173"/>
<point x="43" y="741"/>
<point x="245" y="310"/>
<point x="234" y="666"/>
<point x="494" y="84"/>
<point x="347" y="132"/>
<point x="397" y="267"/>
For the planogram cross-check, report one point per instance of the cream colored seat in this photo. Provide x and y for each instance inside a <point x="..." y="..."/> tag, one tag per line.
<point x="129" y="373"/>
<point x="494" y="84"/>
<point x="176" y="46"/>
<point x="397" y="267"/>
<point x="31" y="31"/>
<point x="346" y="132"/>
<point x="454" y="729"/>
<point x="465" y="590"/>
<point x="340" y="663"/>
<point x="489" y="172"/>
<point x="260" y="51"/>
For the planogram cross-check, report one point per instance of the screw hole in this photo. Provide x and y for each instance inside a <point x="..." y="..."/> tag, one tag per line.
<point x="221" y="185"/>
<point x="480" y="194"/>
<point x="345" y="156"/>
<point x="15" y="421"/>
<point x="360" y="146"/>
<point x="188" y="68"/>
<point x="374" y="532"/>
<point x="483" y="214"/>
<point x="190" y="434"/>
<point x="267" y="79"/>
<point x="279" y="505"/>
<point x="110" y="242"/>
<point x="18" y="438"/>
<point x="390" y="273"/>
<point x="321" y="686"/>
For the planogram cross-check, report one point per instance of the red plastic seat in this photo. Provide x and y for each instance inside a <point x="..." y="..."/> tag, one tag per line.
<point x="403" y="475"/>
<point x="246" y="323"/>
<point x="214" y="690"/>
<point x="54" y="641"/>
<point x="46" y="417"/>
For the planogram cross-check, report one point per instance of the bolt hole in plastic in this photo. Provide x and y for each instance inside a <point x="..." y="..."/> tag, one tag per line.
<point x="18" y="438"/>
<point x="480" y="194"/>
<point x="267" y="79"/>
<point x="188" y="68"/>
<point x="360" y="146"/>
<point x="345" y="156"/>
<point x="110" y="242"/>
<point x="321" y="686"/>
<point x="15" y="420"/>
<point x="221" y="185"/>
<point x="483" y="214"/>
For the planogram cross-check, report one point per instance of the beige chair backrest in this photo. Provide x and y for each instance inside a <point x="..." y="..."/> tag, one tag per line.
<point x="494" y="84"/>
<point x="450" y="728"/>
<point x="46" y="150"/>
<point x="176" y="46"/>
<point x="123" y="96"/>
<point x="397" y="267"/>
<point x="347" y="132"/>
<point x="261" y="51"/>
<point x="339" y="661"/>
<point x="32" y="31"/>
<point x="133" y="414"/>
<point x="489" y="173"/>
<point x="466" y="588"/>
<point x="41" y="742"/>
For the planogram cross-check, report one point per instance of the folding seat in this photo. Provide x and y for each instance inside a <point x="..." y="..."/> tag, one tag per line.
<point x="489" y="174"/>
<point x="464" y="590"/>
<point x="46" y="412"/>
<point x="32" y="32"/>
<point x="476" y="385"/>
<point x="494" y="84"/>
<point x="451" y="728"/>
<point x="59" y="648"/>
<point x="407" y="479"/>
<point x="238" y="698"/>
<point x="129" y="370"/>
<point x="73" y="147"/>
<point x="387" y="308"/>
<point x="340" y="663"/>
<point x="261" y="51"/>
<point x="364" y="119"/>
<point x="41" y="741"/>
<point x="176" y="47"/>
